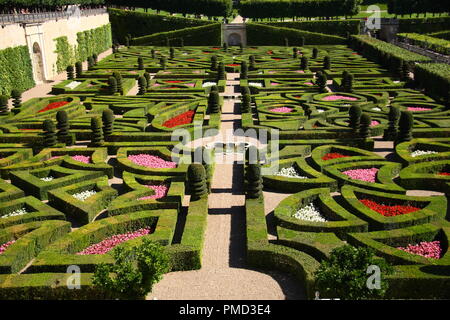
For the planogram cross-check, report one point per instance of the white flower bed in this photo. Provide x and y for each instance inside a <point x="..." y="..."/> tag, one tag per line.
<point x="419" y="153"/>
<point x="320" y="110"/>
<point x="255" y="84"/>
<point x="376" y="109"/>
<point x="310" y="213"/>
<point x="290" y="173"/>
<point x="47" y="179"/>
<point x="209" y="84"/>
<point x="14" y="213"/>
<point x="73" y="84"/>
<point x="82" y="196"/>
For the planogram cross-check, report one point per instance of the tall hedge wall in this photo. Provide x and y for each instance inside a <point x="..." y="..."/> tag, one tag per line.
<point x="16" y="71"/>
<point x="441" y="35"/>
<point x="140" y="24"/>
<point x="334" y="27"/>
<point x="93" y="41"/>
<point x="435" y="78"/>
<point x="423" y="25"/>
<point x="209" y="35"/>
<point x="417" y="6"/>
<point x="263" y="35"/>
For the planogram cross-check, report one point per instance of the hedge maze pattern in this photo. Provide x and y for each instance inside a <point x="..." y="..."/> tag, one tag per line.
<point x="68" y="186"/>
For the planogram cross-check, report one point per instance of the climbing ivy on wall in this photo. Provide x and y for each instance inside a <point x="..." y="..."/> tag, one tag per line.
<point x="16" y="71"/>
<point x="93" y="41"/>
<point x="65" y="52"/>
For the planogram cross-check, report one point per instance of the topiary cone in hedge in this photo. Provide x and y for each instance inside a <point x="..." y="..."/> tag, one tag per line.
<point x="315" y="53"/>
<point x="252" y="62"/>
<point x="245" y="103"/>
<point x="286" y="42"/>
<point x="221" y="71"/>
<point x="95" y="57"/>
<point x="304" y="63"/>
<point x="354" y="113"/>
<point x="364" y="129"/>
<point x="391" y="132"/>
<point x="112" y="85"/>
<point x="254" y="181"/>
<point x="214" y="88"/>
<point x="3" y="104"/>
<point x="108" y="122"/>
<point x="16" y="95"/>
<point x="225" y="46"/>
<point x="327" y="63"/>
<point x="245" y="90"/>
<point x="142" y="83"/>
<point x="213" y="102"/>
<point x="405" y="126"/>
<point x="79" y="69"/>
<point x="244" y="70"/>
<point x="197" y="180"/>
<point x="140" y="62"/>
<point x="147" y="77"/>
<point x="153" y="53"/>
<point x="348" y="84"/>
<point x="90" y="62"/>
<point x="70" y="73"/>
<point x="163" y="62"/>
<point x="49" y="129"/>
<point x="62" y="123"/>
<point x="213" y="63"/>
<point x="252" y="155"/>
<point x="294" y="52"/>
<point x="302" y="41"/>
<point x="119" y="81"/>
<point x="171" y="53"/>
<point x="321" y="81"/>
<point x="96" y="134"/>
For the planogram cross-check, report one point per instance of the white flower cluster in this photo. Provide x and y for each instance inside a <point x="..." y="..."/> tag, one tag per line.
<point x="14" y="213"/>
<point x="47" y="179"/>
<point x="290" y="173"/>
<point x="73" y="84"/>
<point x="376" y="109"/>
<point x="320" y="110"/>
<point x="84" y="194"/>
<point x="310" y="213"/>
<point x="255" y="84"/>
<point x="209" y="84"/>
<point x="419" y="153"/>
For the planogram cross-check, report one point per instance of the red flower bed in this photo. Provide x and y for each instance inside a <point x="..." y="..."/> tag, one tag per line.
<point x="233" y="65"/>
<point x="191" y="59"/>
<point x="388" y="211"/>
<point x="270" y="52"/>
<point x="184" y="118"/>
<point x="173" y="81"/>
<point x="444" y="173"/>
<point x="54" y="105"/>
<point x="333" y="155"/>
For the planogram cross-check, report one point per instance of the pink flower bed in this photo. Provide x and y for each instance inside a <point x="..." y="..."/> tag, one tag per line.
<point x="309" y="83"/>
<point x="111" y="242"/>
<point x="374" y="123"/>
<point x="425" y="249"/>
<point x="418" y="109"/>
<point x="150" y="161"/>
<point x="299" y="71"/>
<point x="274" y="83"/>
<point x="282" y="109"/>
<point x="335" y="97"/>
<point x="160" y="191"/>
<point x="81" y="158"/>
<point x="367" y="175"/>
<point x="5" y="246"/>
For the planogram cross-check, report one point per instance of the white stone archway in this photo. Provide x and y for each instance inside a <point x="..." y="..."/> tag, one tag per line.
<point x="35" y="42"/>
<point x="234" y="34"/>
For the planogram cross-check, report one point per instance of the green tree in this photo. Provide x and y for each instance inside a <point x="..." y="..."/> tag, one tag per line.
<point x="244" y="70"/>
<point x="3" y="104"/>
<point x="344" y="274"/>
<point x="142" y="83"/>
<point x="134" y="272"/>
<point x="49" y="129"/>
<point x="96" y="132"/>
<point x="112" y="85"/>
<point x="108" y="122"/>
<point x="63" y="127"/>
<point x="391" y="132"/>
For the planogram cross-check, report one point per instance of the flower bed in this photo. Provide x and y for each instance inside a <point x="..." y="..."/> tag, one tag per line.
<point x="160" y="191"/>
<point x="54" y="105"/>
<point x="338" y="97"/>
<point x="182" y="119"/>
<point x="425" y="249"/>
<point x="113" y="241"/>
<point x="418" y="153"/>
<point x="333" y="155"/>
<point x="367" y="175"/>
<point x="18" y="212"/>
<point x="374" y="123"/>
<point x="233" y="65"/>
<point x="5" y="246"/>
<point x="209" y="84"/>
<point x="81" y="158"/>
<point x="282" y="110"/>
<point x="387" y="210"/>
<point x="150" y="161"/>
<point x="82" y="196"/>
<point x="255" y="84"/>
<point x="290" y="173"/>
<point x="444" y="173"/>
<point x="47" y="179"/>
<point x="310" y="213"/>
<point x="418" y="109"/>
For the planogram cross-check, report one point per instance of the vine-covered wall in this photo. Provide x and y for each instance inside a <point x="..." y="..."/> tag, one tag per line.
<point x="16" y="71"/>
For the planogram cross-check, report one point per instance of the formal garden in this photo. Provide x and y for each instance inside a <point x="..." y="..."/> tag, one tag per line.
<point x="356" y="170"/>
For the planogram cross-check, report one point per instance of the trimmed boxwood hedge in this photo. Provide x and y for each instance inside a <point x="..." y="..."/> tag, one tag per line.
<point x="435" y="78"/>
<point x="334" y="27"/>
<point x="16" y="71"/>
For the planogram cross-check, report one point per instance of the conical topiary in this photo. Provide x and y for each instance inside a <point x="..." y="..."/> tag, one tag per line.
<point x="147" y="77"/>
<point x="119" y="81"/>
<point x="108" y="122"/>
<point x="90" y="62"/>
<point x="221" y="72"/>
<point x="213" y="63"/>
<point x="355" y="113"/>
<point x="171" y="53"/>
<point x="140" y="62"/>
<point x="295" y="53"/>
<point x="78" y="69"/>
<point x="321" y="81"/>
<point x="304" y="63"/>
<point x="391" y="132"/>
<point x="327" y="63"/>
<point x="252" y="155"/>
<point x="96" y="132"/>
<point x="142" y="83"/>
<point x="405" y="126"/>
<point x="62" y="123"/>
<point x="254" y="181"/>
<point x="70" y="73"/>
<point x="244" y="70"/>
<point x="49" y="129"/>
<point x="225" y="46"/>
<point x="348" y="83"/>
<point x="245" y="90"/>
<point x="95" y="57"/>
<point x="153" y="53"/>
<point x="112" y="85"/>
<point x="315" y="53"/>
<point x="213" y="102"/>
<point x="3" y="104"/>
<point x="252" y="62"/>
<point x="245" y="103"/>
<point x="364" y="129"/>
<point x="163" y="62"/>
<point x="16" y="95"/>
<point x="197" y="180"/>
